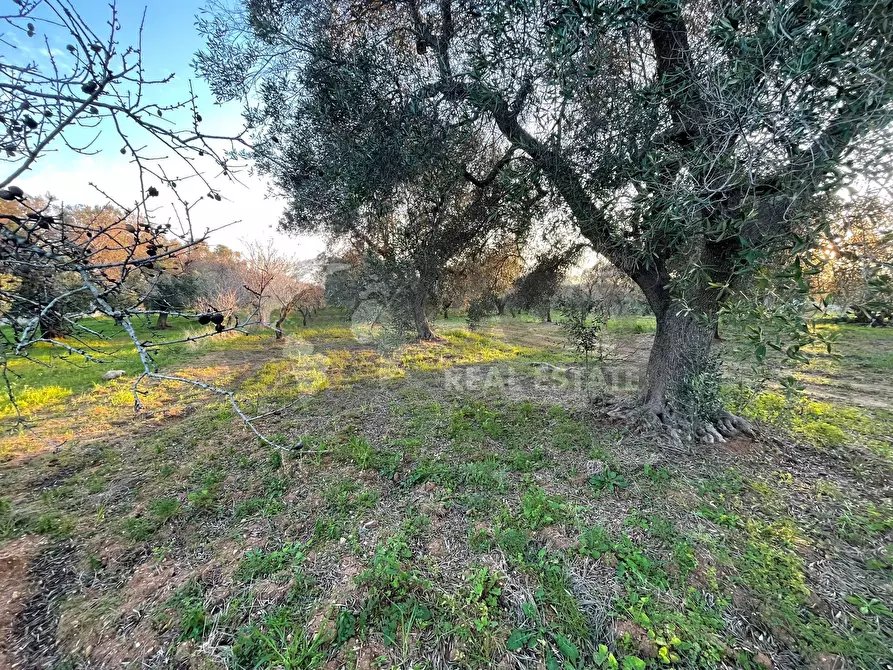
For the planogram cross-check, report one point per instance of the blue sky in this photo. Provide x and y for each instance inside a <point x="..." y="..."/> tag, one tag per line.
<point x="170" y="41"/>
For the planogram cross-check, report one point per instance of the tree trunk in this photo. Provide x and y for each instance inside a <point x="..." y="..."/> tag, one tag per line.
<point x="500" y="307"/>
<point x="682" y="342"/>
<point x="548" y="313"/>
<point x="446" y="311"/>
<point x="283" y="315"/>
<point x="161" y="324"/>
<point x="420" y="316"/>
<point x="680" y="351"/>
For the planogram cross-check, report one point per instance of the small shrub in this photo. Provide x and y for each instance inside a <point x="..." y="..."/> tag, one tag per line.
<point x="583" y="320"/>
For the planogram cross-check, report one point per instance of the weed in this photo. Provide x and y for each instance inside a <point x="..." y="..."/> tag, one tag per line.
<point x="193" y="619"/>
<point x="258" y="564"/>
<point x="7" y="520"/>
<point x="870" y="606"/>
<point x="657" y="476"/>
<point x="538" y="509"/>
<point x="483" y="593"/>
<point x="266" y="507"/>
<point x="165" y="509"/>
<point x="278" y="641"/>
<point x="54" y="524"/>
<point x="138" y="528"/>
<point x="609" y="481"/>
<point x="387" y="577"/>
<point x="719" y="515"/>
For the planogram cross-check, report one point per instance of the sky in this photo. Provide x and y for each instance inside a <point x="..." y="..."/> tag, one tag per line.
<point x="170" y="41"/>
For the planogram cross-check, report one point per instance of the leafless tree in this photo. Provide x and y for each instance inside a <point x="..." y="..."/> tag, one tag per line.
<point x="278" y="281"/>
<point x="57" y="268"/>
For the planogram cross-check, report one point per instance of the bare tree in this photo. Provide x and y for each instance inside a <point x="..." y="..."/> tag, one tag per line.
<point x="277" y="281"/>
<point x="57" y="267"/>
<point x="221" y="288"/>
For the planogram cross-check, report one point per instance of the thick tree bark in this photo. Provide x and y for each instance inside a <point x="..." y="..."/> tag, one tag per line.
<point x="500" y="306"/>
<point x="161" y="323"/>
<point x="682" y="341"/>
<point x="420" y="316"/>
<point x="681" y="350"/>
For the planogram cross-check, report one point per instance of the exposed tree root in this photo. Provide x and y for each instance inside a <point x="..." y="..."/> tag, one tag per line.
<point x="682" y="430"/>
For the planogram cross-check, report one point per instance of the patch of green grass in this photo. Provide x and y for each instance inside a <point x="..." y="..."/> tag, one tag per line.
<point x="819" y="423"/>
<point x="138" y="529"/>
<point x="48" y="376"/>
<point x="53" y="524"/>
<point x="258" y="564"/>
<point x="539" y="509"/>
<point x="266" y="507"/>
<point x="7" y="519"/>
<point x="473" y="422"/>
<point x="278" y="641"/>
<point x="858" y="523"/>
<point x="631" y="325"/>
<point x="364" y="455"/>
<point x="347" y="497"/>
<point x="165" y="509"/>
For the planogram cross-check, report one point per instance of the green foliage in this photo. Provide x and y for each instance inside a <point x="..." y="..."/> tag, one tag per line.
<point x="658" y="476"/>
<point x="278" y="641"/>
<point x="583" y="318"/>
<point x="482" y="595"/>
<point x="387" y="578"/>
<point x="258" y="564"/>
<point x="7" y="520"/>
<point x="193" y="619"/>
<point x="699" y="396"/>
<point x="267" y="507"/>
<point x="819" y="423"/>
<point x="164" y="509"/>
<point x="539" y="509"/>
<point x="609" y="480"/>
<point x="871" y="606"/>
<point x="139" y="529"/>
<point x="472" y="422"/>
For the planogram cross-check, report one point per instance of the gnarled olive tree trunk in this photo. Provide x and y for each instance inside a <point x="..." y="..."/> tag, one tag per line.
<point x="681" y="350"/>
<point x="420" y="316"/>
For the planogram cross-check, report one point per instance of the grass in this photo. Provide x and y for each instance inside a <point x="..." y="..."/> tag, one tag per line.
<point x="429" y="520"/>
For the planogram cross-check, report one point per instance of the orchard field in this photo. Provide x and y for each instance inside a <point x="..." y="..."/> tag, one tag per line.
<point x="468" y="503"/>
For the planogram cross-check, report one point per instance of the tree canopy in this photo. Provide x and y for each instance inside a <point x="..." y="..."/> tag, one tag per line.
<point x="689" y="142"/>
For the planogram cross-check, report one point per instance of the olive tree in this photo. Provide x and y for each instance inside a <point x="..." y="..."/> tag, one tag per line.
<point x="687" y="140"/>
<point x="360" y="162"/>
